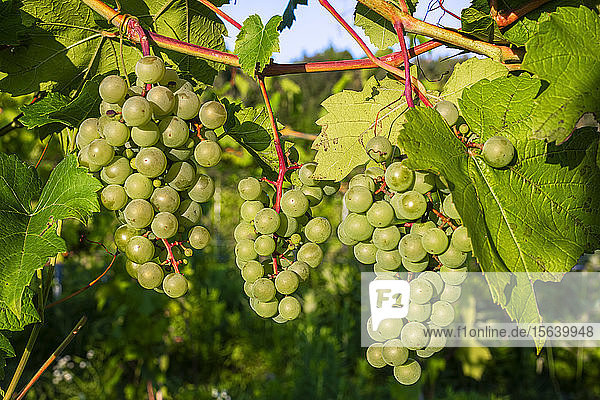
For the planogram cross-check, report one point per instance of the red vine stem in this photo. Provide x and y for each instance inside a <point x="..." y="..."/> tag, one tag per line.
<point x="407" y="82"/>
<point x="170" y="257"/>
<point x="441" y="5"/>
<point x="223" y="15"/>
<point x="505" y="20"/>
<point x="43" y="152"/>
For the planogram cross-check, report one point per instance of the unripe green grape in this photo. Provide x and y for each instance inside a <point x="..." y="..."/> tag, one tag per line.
<point x="419" y="228"/>
<point x="409" y="205"/>
<point x="113" y="89"/>
<point x="448" y="111"/>
<point x="413" y="335"/>
<point x="390" y="328"/>
<point x="88" y="131"/>
<point x="394" y="353"/>
<point x="318" y="230"/>
<point x="362" y="180"/>
<point x="415" y="266"/>
<point x="314" y="194"/>
<point x="449" y="208"/>
<point x="357" y="227"/>
<point x="399" y="177"/>
<point x="463" y="129"/>
<point x="139" y="249"/>
<point x="421" y="291"/>
<point x="104" y="119"/>
<point x="409" y="373"/>
<point x="213" y="114"/>
<point x="203" y="190"/>
<point x="187" y="104"/>
<point x="249" y="209"/>
<point x="100" y="152"/>
<point x="150" y="69"/>
<point x="145" y="135"/>
<point x="289" y="308"/>
<point x="343" y="236"/>
<point x="418" y="312"/>
<point x="375" y="172"/>
<point x="358" y="199"/>
<point x="330" y="188"/>
<point x="380" y="214"/>
<point x="249" y="188"/>
<point x="164" y="225"/>
<point x="150" y="275"/>
<point x="379" y="148"/>
<point x="188" y="252"/>
<point x="210" y="135"/>
<point x="244" y="250"/>
<point x="161" y="99"/>
<point x="115" y="133"/>
<point x="267" y="221"/>
<point x="287" y="225"/>
<point x="374" y="355"/>
<point x="435" y="279"/>
<point x="266" y="309"/>
<point x="373" y="334"/>
<point x="294" y="203"/>
<point x="442" y="313"/>
<point x="188" y="213"/>
<point x="175" y="285"/>
<point x="199" y="237"/>
<point x="151" y="162"/>
<point x="174" y="132"/>
<point x="165" y="199"/>
<point x="311" y="254"/>
<point x="450" y="293"/>
<point x="452" y="257"/>
<point x="207" y="153"/>
<point x="138" y="213"/>
<point x="301" y="269"/>
<point x="388" y="260"/>
<point x="424" y="182"/>
<point x="136" y="111"/>
<point x="453" y="276"/>
<point x="182" y="153"/>
<point x="305" y="174"/>
<point x="264" y="245"/>
<point x="295" y="239"/>
<point x="137" y="186"/>
<point x="244" y="230"/>
<point x="123" y="234"/>
<point x="461" y="240"/>
<point x="386" y="238"/>
<point x="498" y="151"/>
<point x="180" y="176"/>
<point x="183" y="84"/>
<point x="434" y="241"/>
<point x="286" y="282"/>
<point x="132" y="268"/>
<point x="365" y="252"/>
<point x="169" y="78"/>
<point x="252" y="271"/>
<point x="116" y="172"/>
<point x="135" y="90"/>
<point x="411" y="248"/>
<point x="263" y="289"/>
<point x="113" y="197"/>
<point x="112" y="110"/>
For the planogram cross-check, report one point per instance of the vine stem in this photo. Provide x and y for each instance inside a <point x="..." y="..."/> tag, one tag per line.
<point x="407" y="82"/>
<point x="24" y="358"/>
<point x="170" y="256"/>
<point x="505" y="20"/>
<point x="220" y="12"/>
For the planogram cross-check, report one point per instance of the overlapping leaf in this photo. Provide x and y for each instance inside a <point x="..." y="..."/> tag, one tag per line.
<point x="289" y="15"/>
<point x="481" y="25"/>
<point x="379" y="30"/>
<point x="256" y="43"/>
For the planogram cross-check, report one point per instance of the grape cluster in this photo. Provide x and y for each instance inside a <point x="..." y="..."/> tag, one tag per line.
<point x="276" y="249"/>
<point x="152" y="166"/>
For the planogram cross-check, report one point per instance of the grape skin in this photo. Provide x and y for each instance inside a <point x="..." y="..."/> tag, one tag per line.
<point x="289" y="308"/>
<point x="150" y="275"/>
<point x="358" y="199"/>
<point x="175" y="285"/>
<point x="151" y="162"/>
<point x="113" y="197"/>
<point x="203" y="190"/>
<point x="318" y="230"/>
<point x="136" y="111"/>
<point x="379" y="148"/>
<point x="199" y="237"/>
<point x="498" y="151"/>
<point x="213" y="114"/>
<point x="139" y="213"/>
<point x="207" y="153"/>
<point x="408" y="373"/>
<point x="150" y="69"/>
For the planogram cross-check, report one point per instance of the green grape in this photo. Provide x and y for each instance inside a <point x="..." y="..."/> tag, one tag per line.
<point x="386" y="238"/>
<point x="113" y="89"/>
<point x="244" y="250"/>
<point x="264" y="245"/>
<point x="375" y="335"/>
<point x="424" y="353"/>
<point x="394" y="353"/>
<point x="357" y="227"/>
<point x="390" y="328"/>
<point x="138" y="213"/>
<point x="175" y="285"/>
<point x="135" y="90"/>
<point x="461" y="240"/>
<point x="211" y="135"/>
<point x="267" y="221"/>
<point x="207" y="153"/>
<point x="161" y="99"/>
<point x="318" y="230"/>
<point x="286" y="282"/>
<point x="435" y="279"/>
<point x="421" y="291"/>
<point x="434" y="241"/>
<point x="311" y="254"/>
<point x="180" y="176"/>
<point x="380" y="214"/>
<point x="165" y="199"/>
<point x="409" y="373"/>
<point x="88" y="131"/>
<point x="244" y="230"/>
<point x="375" y="172"/>
<point x="358" y="199"/>
<point x="164" y="225"/>
<point x="294" y="203"/>
<point x="123" y="234"/>
<point x="213" y="114"/>
<point x="151" y="162"/>
<point x="169" y="78"/>
<point x="139" y="249"/>
<point x="399" y="177"/>
<point x="388" y="260"/>
<point x="365" y="252"/>
<point x="287" y="225"/>
<point x="448" y="111"/>
<point x="249" y="188"/>
<point x="449" y="208"/>
<point x="411" y="248"/>
<point x="104" y="119"/>
<point x="442" y="313"/>
<point x="138" y="186"/>
<point x="150" y="69"/>
<point x="409" y="205"/>
<point x="100" y="152"/>
<point x="150" y="275"/>
<point x="343" y="236"/>
<point x="113" y="197"/>
<point x="362" y="180"/>
<point x="330" y="188"/>
<point x="436" y="343"/>
<point x="453" y="276"/>
<point x="263" y="289"/>
<point x="289" y="308"/>
<point x="249" y="209"/>
<point x="252" y="271"/>
<point x="498" y="152"/>
<point x="295" y="239"/>
<point x="418" y="312"/>
<point x="145" y="135"/>
<point x="203" y="190"/>
<point x="314" y="194"/>
<point x="424" y="182"/>
<point x="131" y="268"/>
<point x="450" y="293"/>
<point x="116" y="172"/>
<point x="174" y="132"/>
<point x="415" y="266"/>
<point x="463" y="129"/>
<point x="419" y="228"/>
<point x="413" y="335"/>
<point x="199" y="237"/>
<point x="182" y="153"/>
<point x="266" y="309"/>
<point x="379" y="148"/>
<point x="301" y="269"/>
<point x="188" y="213"/>
<point x="453" y="257"/>
<point x="187" y="104"/>
<point x="305" y="174"/>
<point x="136" y="111"/>
<point x="374" y="355"/>
<point x="111" y="109"/>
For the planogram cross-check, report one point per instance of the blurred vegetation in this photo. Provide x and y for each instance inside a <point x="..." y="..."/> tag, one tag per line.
<point x="210" y="345"/>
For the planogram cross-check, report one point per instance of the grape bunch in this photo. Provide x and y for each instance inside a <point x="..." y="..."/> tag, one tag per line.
<point x="152" y="165"/>
<point x="277" y="243"/>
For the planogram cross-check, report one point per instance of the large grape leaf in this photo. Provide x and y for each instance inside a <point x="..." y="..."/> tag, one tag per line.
<point x="28" y="234"/>
<point x="12" y="29"/>
<point x="350" y="123"/>
<point x="566" y="54"/>
<point x="536" y="216"/>
<point x="379" y="30"/>
<point x="289" y="15"/>
<point x="256" y="43"/>
<point x="481" y="25"/>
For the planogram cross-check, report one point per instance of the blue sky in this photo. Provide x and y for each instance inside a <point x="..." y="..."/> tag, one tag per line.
<point x="315" y="29"/>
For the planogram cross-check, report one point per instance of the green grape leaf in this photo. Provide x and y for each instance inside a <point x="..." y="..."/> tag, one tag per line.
<point x="38" y="113"/>
<point x="288" y="15"/>
<point x="350" y="123"/>
<point x="566" y="54"/>
<point x="538" y="215"/>
<point x="10" y="321"/>
<point x="379" y="30"/>
<point x="256" y="43"/>
<point x="12" y="29"/>
<point x="27" y="232"/>
<point x="6" y="351"/>
<point x="481" y="25"/>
